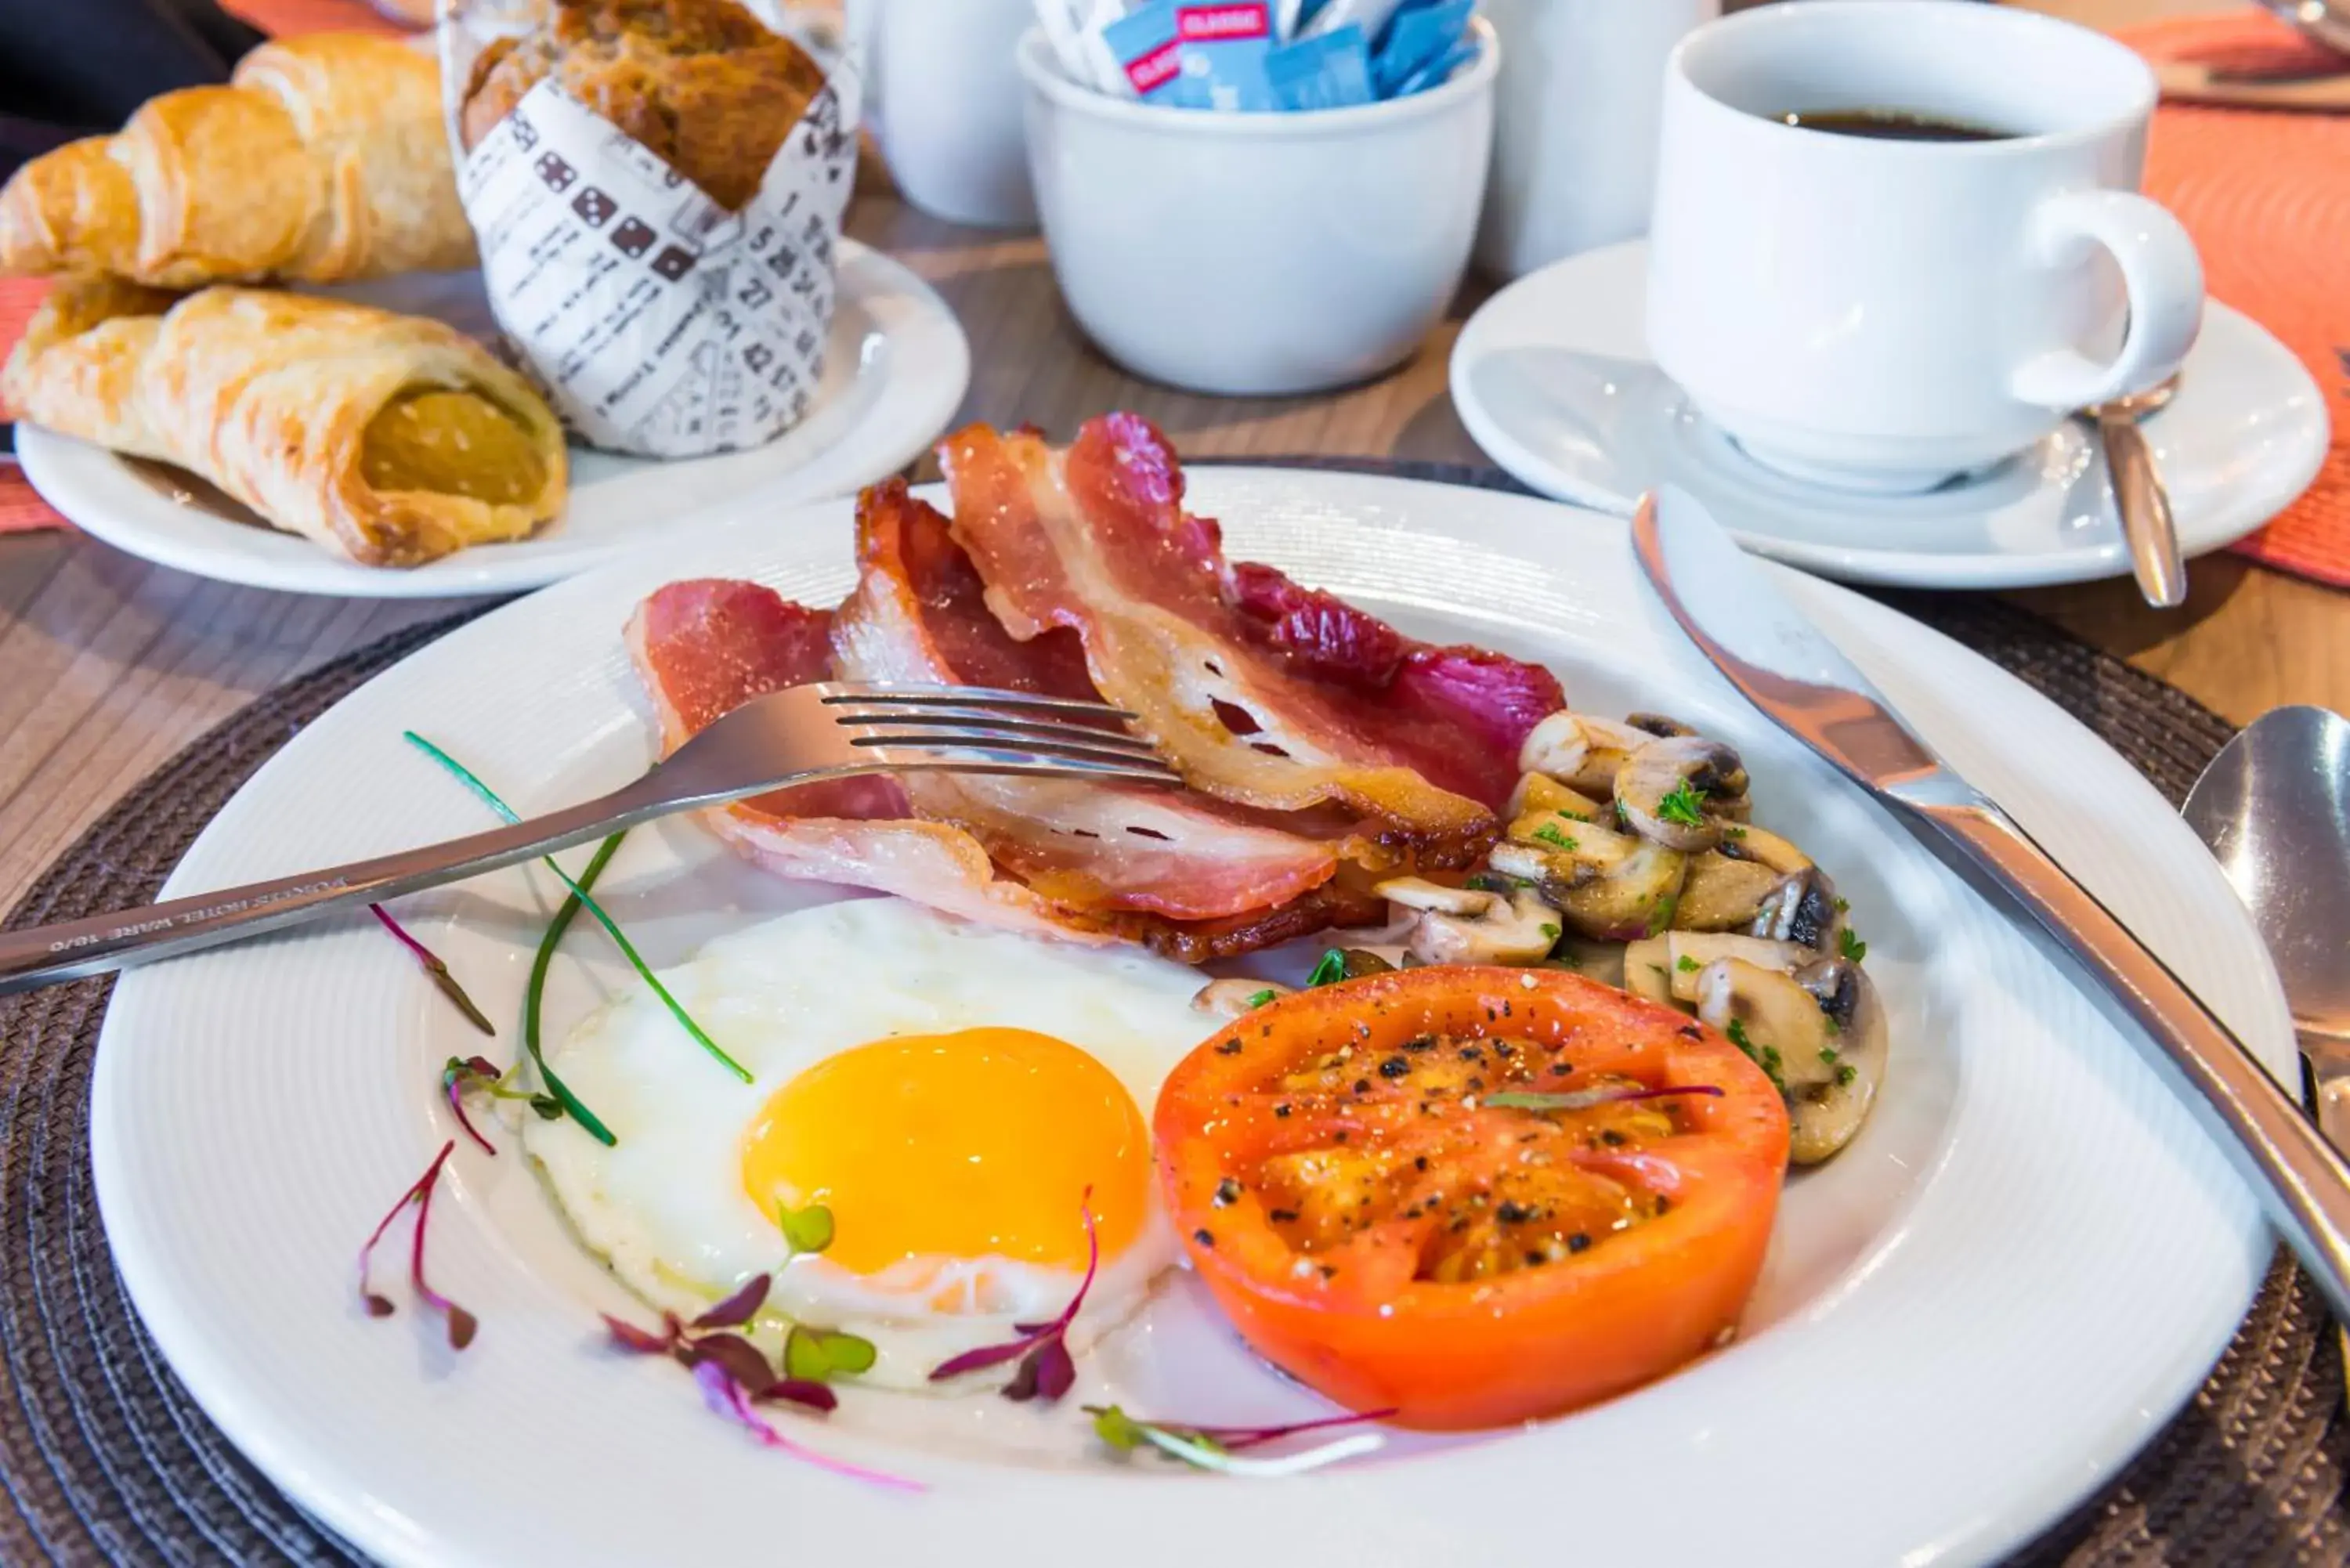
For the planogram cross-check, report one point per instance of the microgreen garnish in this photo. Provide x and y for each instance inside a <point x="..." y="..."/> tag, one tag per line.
<point x="1851" y="945"/>
<point x="1687" y="964"/>
<point x="461" y="1075"/>
<point x="1330" y="971"/>
<point x="1844" y="906"/>
<point x="1585" y="1099"/>
<point x="1261" y="997"/>
<point x="1220" y="1448"/>
<point x="1548" y="833"/>
<point x="807" y="1229"/>
<point x="611" y="927"/>
<point x="710" y="1338"/>
<point x="1496" y="882"/>
<point x="1845" y="1075"/>
<point x="462" y="1323"/>
<point x="821" y="1354"/>
<point x="533" y="994"/>
<point x="1548" y="930"/>
<point x="1683" y="804"/>
<point x="1828" y="1054"/>
<point x="437" y="970"/>
<point x="726" y="1397"/>
<point x="1045" y="1370"/>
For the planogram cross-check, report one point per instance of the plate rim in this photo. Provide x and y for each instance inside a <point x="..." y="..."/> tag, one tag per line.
<point x="353" y="1518"/>
<point x="917" y="399"/>
<point x="1890" y="569"/>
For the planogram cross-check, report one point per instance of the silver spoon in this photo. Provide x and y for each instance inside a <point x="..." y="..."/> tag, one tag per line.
<point x="2326" y="20"/>
<point x="2139" y="493"/>
<point x="2274" y="810"/>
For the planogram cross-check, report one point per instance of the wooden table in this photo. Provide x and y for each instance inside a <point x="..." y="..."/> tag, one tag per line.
<point x="107" y="665"/>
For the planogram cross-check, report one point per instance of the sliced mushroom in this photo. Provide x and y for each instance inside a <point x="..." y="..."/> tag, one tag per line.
<point x="1602" y="962"/>
<point x="1659" y="724"/>
<point x="1517" y="929"/>
<point x="1674" y="791"/>
<point x="1824" y="1116"/>
<point x="1722" y="894"/>
<point x="1232" y="998"/>
<point x="1688" y="955"/>
<point x="1803" y="909"/>
<point x="1541" y="792"/>
<point x="1765" y="847"/>
<point x="1827" y="1068"/>
<point x="1632" y="899"/>
<point x="1579" y="750"/>
<point x="1648" y="970"/>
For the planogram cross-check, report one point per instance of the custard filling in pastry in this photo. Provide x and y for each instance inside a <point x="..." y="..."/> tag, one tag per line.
<point x="451" y="441"/>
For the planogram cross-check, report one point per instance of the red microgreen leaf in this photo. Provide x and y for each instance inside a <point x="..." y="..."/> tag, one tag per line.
<point x="725" y="1397"/>
<point x="437" y="970"/>
<point x="1045" y="1370"/>
<point x="799" y="1391"/>
<point x="461" y="1325"/>
<point x="458" y="1077"/>
<point x="739" y="1308"/>
<point x="738" y="1355"/>
<point x="627" y="1336"/>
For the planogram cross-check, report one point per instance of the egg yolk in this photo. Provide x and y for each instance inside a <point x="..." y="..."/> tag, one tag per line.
<point x="977" y="1144"/>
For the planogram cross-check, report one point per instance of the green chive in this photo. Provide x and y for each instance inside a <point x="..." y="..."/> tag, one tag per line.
<point x="534" y="994"/>
<point x="611" y="927"/>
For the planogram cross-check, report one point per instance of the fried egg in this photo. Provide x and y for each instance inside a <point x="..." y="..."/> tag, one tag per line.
<point x="958" y="1098"/>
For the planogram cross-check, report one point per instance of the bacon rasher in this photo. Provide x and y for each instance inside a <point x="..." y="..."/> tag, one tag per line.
<point x="1260" y="691"/>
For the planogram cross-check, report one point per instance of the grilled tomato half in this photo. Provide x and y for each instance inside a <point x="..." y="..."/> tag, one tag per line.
<point x="1473" y="1195"/>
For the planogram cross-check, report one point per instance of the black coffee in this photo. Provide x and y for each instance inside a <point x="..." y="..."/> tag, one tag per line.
<point x="1890" y="125"/>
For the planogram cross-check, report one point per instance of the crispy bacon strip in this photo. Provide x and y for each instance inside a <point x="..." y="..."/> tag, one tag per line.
<point x="704" y="646"/>
<point x="918" y="615"/>
<point x="1260" y="691"/>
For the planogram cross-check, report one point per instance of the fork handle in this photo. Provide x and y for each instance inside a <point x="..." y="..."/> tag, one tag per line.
<point x="46" y="954"/>
<point x="2299" y="1178"/>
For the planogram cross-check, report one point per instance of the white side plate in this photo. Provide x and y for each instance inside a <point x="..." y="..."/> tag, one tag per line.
<point x="893" y="378"/>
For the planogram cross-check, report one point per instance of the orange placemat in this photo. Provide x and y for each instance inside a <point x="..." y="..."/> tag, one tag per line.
<point x="2266" y="194"/>
<point x="21" y="507"/>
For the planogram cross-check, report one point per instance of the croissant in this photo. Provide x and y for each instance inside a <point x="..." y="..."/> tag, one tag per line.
<point x="391" y="438"/>
<point x="323" y="159"/>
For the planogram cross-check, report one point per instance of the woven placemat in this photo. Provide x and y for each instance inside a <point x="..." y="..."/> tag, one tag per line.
<point x="104" y="1458"/>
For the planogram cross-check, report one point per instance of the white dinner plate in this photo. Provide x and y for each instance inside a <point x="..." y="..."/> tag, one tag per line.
<point x="1553" y="378"/>
<point x="894" y="374"/>
<point x="1967" y="1321"/>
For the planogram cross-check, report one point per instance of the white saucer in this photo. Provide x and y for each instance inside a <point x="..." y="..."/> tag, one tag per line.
<point x="893" y="377"/>
<point x="1552" y="378"/>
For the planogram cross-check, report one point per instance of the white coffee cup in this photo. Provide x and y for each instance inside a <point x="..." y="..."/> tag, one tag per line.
<point x="944" y="100"/>
<point x="1885" y="314"/>
<point x="1575" y="131"/>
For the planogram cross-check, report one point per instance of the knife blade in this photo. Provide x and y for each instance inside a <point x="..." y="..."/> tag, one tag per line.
<point x="1738" y="618"/>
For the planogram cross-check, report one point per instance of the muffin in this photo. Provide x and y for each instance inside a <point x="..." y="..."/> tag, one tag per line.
<point x="701" y="84"/>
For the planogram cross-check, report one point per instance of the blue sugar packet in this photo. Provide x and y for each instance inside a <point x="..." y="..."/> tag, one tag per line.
<point x="1329" y="15"/>
<point x="1145" y="48"/>
<point x="1438" y="70"/>
<point x="1223" y="45"/>
<point x="1329" y="70"/>
<point x="1417" y="38"/>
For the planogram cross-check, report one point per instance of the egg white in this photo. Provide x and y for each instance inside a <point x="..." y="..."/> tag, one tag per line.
<point x="665" y="1209"/>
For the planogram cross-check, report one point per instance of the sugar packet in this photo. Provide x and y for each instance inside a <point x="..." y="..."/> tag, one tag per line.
<point x="1417" y="36"/>
<point x="1076" y="30"/>
<point x="1370" y="15"/>
<point x="1329" y="70"/>
<point x="655" y="321"/>
<point x="1223" y="45"/>
<point x="1145" y="48"/>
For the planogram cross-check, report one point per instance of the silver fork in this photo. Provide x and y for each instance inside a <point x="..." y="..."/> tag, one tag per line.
<point x="805" y="734"/>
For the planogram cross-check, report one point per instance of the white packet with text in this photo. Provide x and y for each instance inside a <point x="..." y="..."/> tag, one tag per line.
<point x="655" y="321"/>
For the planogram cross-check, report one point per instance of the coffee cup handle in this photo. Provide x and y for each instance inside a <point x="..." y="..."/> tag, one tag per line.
<point x="2161" y="274"/>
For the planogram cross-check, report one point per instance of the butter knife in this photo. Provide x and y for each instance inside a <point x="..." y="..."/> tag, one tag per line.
<point x="1738" y="618"/>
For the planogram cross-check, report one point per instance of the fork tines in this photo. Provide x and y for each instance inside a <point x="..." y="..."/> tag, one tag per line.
<point x="979" y="729"/>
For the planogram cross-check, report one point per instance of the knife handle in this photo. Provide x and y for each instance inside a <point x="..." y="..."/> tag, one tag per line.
<point x="2299" y="1178"/>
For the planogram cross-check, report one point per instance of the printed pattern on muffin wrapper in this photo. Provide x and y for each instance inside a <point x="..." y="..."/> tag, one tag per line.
<point x="655" y="321"/>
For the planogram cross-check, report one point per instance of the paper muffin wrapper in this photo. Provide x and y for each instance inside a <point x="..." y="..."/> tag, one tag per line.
<point x="655" y="321"/>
